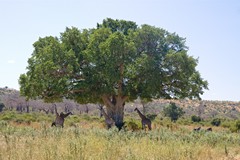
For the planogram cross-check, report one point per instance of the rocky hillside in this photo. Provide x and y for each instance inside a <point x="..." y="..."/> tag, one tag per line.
<point x="5" y="90"/>
<point x="205" y="109"/>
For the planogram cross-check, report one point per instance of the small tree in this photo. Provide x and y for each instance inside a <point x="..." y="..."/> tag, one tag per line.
<point x="1" y="107"/>
<point x="173" y="111"/>
<point x="216" y="122"/>
<point x="195" y="118"/>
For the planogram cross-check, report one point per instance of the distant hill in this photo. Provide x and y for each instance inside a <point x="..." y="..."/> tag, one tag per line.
<point x="205" y="108"/>
<point x="6" y="90"/>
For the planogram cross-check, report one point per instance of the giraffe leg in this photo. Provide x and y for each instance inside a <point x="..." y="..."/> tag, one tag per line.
<point x="53" y="124"/>
<point x="149" y="127"/>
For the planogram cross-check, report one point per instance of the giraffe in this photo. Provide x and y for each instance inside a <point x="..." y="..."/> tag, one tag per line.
<point x="60" y="118"/>
<point x="108" y="120"/>
<point x="145" y="120"/>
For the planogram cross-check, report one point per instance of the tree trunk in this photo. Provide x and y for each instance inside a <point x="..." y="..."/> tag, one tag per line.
<point x="27" y="106"/>
<point x="115" y="109"/>
<point x="86" y="109"/>
<point x="118" y="116"/>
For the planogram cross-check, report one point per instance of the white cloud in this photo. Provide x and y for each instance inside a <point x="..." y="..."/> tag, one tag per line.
<point x="11" y="61"/>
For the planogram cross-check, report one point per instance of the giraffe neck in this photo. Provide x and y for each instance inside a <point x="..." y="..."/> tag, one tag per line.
<point x="140" y="114"/>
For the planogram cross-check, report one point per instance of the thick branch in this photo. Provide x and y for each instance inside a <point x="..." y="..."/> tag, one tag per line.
<point x="120" y="82"/>
<point x="107" y="101"/>
<point x="124" y="98"/>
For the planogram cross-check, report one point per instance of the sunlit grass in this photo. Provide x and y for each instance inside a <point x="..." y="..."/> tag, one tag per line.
<point x="86" y="141"/>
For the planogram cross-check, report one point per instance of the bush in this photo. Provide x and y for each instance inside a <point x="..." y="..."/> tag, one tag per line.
<point x="235" y="127"/>
<point x="173" y="111"/>
<point x="227" y="123"/>
<point x="8" y="116"/>
<point x="1" y="107"/>
<point x="3" y="123"/>
<point x="195" y="118"/>
<point x="151" y="116"/>
<point x="216" y="122"/>
<point x="184" y="121"/>
<point x="133" y="125"/>
<point x="237" y="124"/>
<point x="87" y="117"/>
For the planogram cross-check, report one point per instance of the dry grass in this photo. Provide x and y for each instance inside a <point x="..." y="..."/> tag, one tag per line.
<point x="88" y="142"/>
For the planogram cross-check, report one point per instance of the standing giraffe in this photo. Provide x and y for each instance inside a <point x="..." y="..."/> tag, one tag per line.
<point x="60" y="118"/>
<point x="145" y="120"/>
<point x="109" y="121"/>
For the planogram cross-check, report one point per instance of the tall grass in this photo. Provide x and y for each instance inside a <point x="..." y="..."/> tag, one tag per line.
<point x="97" y="143"/>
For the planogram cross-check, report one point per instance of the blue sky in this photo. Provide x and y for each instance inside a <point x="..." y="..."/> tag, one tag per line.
<point x="211" y="28"/>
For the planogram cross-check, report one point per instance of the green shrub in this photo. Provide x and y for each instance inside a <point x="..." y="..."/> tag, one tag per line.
<point x="133" y="125"/>
<point x="235" y="127"/>
<point x="87" y="117"/>
<point x="173" y="111"/>
<point x="216" y="122"/>
<point x="3" y="123"/>
<point x="74" y="118"/>
<point x="237" y="124"/>
<point x="165" y="122"/>
<point x="227" y="123"/>
<point x="151" y="116"/>
<point x="25" y="117"/>
<point x="184" y="121"/>
<point x="44" y="117"/>
<point x="1" y="107"/>
<point x="29" y="117"/>
<point x="195" y="118"/>
<point x="8" y="116"/>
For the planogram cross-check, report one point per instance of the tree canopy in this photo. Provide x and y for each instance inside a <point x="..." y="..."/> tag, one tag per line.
<point x="115" y="62"/>
<point x="173" y="111"/>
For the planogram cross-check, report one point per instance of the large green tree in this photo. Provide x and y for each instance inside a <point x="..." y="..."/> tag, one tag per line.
<point x="116" y="62"/>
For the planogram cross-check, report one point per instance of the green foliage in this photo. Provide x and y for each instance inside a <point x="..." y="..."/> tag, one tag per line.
<point x="86" y="117"/>
<point x="116" y="62"/>
<point x="25" y="117"/>
<point x="227" y="123"/>
<point x="133" y="125"/>
<point x="116" y="58"/>
<point x="1" y="106"/>
<point x="8" y="116"/>
<point x="173" y="111"/>
<point x="74" y="119"/>
<point x="3" y="123"/>
<point x="118" y="25"/>
<point x="195" y="118"/>
<point x="151" y="116"/>
<point x="235" y="127"/>
<point x="238" y="125"/>
<point x="216" y="122"/>
<point x="184" y="121"/>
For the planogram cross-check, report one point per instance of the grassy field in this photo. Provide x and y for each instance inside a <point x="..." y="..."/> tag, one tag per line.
<point x="87" y="138"/>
